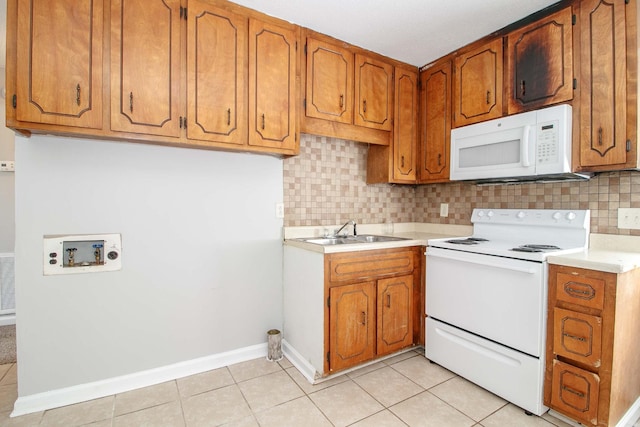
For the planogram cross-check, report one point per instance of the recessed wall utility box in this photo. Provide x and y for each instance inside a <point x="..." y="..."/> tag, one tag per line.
<point x="83" y="253"/>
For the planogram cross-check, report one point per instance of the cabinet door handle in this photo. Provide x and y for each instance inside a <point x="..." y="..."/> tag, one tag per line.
<point x="229" y="116"/>
<point x="572" y="391"/>
<point x="364" y="106"/>
<point x="341" y="100"/>
<point x="364" y="318"/>
<point x="574" y="337"/>
<point x="78" y="94"/>
<point x="439" y="159"/>
<point x="131" y="102"/>
<point x="402" y="161"/>
<point x="600" y="136"/>
<point x="262" y="121"/>
<point x="388" y="300"/>
<point x="522" y="88"/>
<point x="488" y="97"/>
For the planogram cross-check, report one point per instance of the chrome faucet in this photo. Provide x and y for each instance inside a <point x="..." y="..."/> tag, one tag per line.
<point x="351" y="221"/>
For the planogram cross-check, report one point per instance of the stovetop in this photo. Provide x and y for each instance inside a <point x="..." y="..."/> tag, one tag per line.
<point x="528" y="234"/>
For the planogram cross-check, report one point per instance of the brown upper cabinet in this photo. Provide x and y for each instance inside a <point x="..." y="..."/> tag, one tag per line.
<point x="348" y="87"/>
<point x="272" y="90"/>
<point x="435" y="123"/>
<point x="540" y="63"/>
<point x="603" y="85"/>
<point x="329" y="82"/>
<point x="477" y="90"/>
<point x="373" y="93"/>
<point x="59" y="65"/>
<point x="145" y="67"/>
<point x="219" y="76"/>
<point x="216" y="74"/>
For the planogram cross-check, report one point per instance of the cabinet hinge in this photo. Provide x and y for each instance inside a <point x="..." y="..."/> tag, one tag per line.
<point x="14" y="101"/>
<point x="628" y="145"/>
<point x="304" y="103"/>
<point x="296" y="45"/>
<point x="574" y="19"/>
<point x="328" y="301"/>
<point x="575" y="84"/>
<point x="305" y="48"/>
<point x="328" y="353"/>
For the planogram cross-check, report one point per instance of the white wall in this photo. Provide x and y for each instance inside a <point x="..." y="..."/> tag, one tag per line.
<point x="201" y="262"/>
<point x="7" y="207"/>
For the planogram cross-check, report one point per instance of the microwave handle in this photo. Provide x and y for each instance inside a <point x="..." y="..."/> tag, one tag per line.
<point x="525" y="146"/>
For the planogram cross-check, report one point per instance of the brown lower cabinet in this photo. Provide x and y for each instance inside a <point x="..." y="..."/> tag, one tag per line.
<point x="592" y="370"/>
<point x="372" y="304"/>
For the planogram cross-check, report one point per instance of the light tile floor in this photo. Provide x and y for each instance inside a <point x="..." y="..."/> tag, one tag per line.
<point x="406" y="390"/>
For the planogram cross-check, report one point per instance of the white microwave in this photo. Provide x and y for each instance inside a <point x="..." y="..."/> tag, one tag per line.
<point x="522" y="147"/>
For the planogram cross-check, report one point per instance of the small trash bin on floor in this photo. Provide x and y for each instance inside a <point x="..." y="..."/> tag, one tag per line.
<point x="274" y="345"/>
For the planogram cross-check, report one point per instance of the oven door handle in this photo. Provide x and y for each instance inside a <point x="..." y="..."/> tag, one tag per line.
<point x="484" y="263"/>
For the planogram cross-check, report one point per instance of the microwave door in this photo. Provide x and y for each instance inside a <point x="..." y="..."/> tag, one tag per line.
<point x="498" y="154"/>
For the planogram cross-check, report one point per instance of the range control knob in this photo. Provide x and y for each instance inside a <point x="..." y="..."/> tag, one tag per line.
<point x="112" y="255"/>
<point x="571" y="216"/>
<point x="480" y="214"/>
<point x="556" y="215"/>
<point x="521" y="215"/>
<point x="490" y="214"/>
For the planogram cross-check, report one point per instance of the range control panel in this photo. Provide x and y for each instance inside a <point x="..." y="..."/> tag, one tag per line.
<point x="84" y="253"/>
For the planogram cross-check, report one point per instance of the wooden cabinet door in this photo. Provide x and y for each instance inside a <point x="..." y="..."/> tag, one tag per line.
<point x="578" y="336"/>
<point x="603" y="107"/>
<point x="478" y="84"/>
<point x="145" y="67"/>
<point x="60" y="62"/>
<point x="405" y="129"/>
<point x="217" y="74"/>
<point x="540" y="63"/>
<point x="435" y="123"/>
<point x="352" y="324"/>
<point x="575" y="392"/>
<point x="395" y="324"/>
<point x="373" y="93"/>
<point x="329" y="82"/>
<point x="272" y="86"/>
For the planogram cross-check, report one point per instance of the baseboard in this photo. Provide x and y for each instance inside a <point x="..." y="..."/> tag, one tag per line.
<point x="7" y="319"/>
<point x="89" y="391"/>
<point x="301" y="364"/>
<point x="631" y="416"/>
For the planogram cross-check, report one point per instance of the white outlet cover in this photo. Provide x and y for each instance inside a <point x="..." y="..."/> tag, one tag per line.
<point x="629" y="218"/>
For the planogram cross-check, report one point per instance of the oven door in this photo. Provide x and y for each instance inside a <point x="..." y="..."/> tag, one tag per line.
<point x="501" y="299"/>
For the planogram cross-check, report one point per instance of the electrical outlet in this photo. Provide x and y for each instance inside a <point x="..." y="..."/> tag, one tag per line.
<point x="629" y="218"/>
<point x="7" y="166"/>
<point x="444" y="209"/>
<point x="279" y="210"/>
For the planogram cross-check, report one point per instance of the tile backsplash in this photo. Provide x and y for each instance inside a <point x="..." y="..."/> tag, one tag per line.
<point x="326" y="185"/>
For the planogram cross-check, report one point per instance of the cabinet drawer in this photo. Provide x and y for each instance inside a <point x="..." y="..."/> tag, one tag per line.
<point x="577" y="336"/>
<point x="361" y="265"/>
<point x="575" y="392"/>
<point x="581" y="290"/>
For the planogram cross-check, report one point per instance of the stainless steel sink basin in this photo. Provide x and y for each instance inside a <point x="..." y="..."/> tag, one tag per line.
<point x="346" y="240"/>
<point x="372" y="238"/>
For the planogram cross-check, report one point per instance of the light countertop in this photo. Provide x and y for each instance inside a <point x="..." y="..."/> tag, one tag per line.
<point x="607" y="252"/>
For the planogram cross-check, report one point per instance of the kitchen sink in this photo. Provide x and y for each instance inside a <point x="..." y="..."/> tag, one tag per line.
<point x="346" y="240"/>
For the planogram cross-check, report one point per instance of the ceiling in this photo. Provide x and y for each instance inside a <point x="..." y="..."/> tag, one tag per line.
<point x="413" y="31"/>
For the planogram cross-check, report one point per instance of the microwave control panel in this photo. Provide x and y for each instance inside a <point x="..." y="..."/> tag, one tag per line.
<point x="547" y="143"/>
<point x="84" y="253"/>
